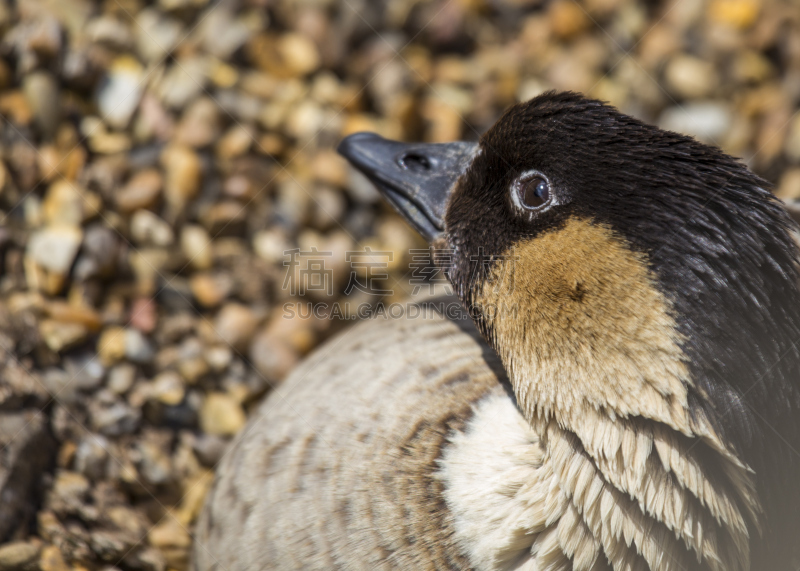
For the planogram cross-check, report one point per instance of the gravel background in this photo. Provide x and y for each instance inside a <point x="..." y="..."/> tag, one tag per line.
<point x="157" y="159"/>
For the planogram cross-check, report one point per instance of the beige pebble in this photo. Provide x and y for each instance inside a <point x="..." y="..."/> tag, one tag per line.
<point x="196" y="246"/>
<point x="52" y="560"/>
<point x="111" y="345"/>
<point x="168" y="388"/>
<point x="688" y="76"/>
<point x="141" y="191"/>
<point x="210" y="289"/>
<point x="221" y="415"/>
<point x="789" y="186"/>
<point x="18" y="555"/>
<point x="235" y="324"/>
<point x="183" y="170"/>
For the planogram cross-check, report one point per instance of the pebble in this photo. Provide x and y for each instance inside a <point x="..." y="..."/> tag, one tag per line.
<point x="144" y="315"/>
<point x="200" y="124"/>
<point x="68" y="204"/>
<point x="183" y="172"/>
<point x="141" y="191"/>
<point x="91" y="456"/>
<point x="236" y="142"/>
<point x="148" y="229"/>
<point x="221" y="415"/>
<point x="792" y="145"/>
<point x="51" y="559"/>
<point x="137" y="348"/>
<point x="690" y="77"/>
<point x="120" y="92"/>
<point x="235" y="324"/>
<point x="272" y="356"/>
<point x="42" y="94"/>
<point x="111" y="345"/>
<point x="223" y="33"/>
<point x="60" y="336"/>
<point x="172" y="539"/>
<point x="567" y="19"/>
<point x="183" y="81"/>
<point x="156" y="34"/>
<point x="168" y="388"/>
<point x="708" y="120"/>
<point x="789" y="186"/>
<point x="210" y="289"/>
<point x="50" y="254"/>
<point x="19" y="556"/>
<point x="196" y="246"/>
<point x="737" y="13"/>
<point x="114" y="418"/>
<point x="121" y="378"/>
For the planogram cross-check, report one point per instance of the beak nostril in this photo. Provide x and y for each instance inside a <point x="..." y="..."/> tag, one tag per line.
<point x="414" y="162"/>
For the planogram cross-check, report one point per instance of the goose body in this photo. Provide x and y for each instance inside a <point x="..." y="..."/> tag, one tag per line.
<point x="625" y="395"/>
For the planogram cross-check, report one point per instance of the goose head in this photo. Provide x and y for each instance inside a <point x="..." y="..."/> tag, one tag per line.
<point x="626" y="276"/>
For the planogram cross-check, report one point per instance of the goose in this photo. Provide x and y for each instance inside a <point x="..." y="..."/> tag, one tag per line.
<point x="620" y="393"/>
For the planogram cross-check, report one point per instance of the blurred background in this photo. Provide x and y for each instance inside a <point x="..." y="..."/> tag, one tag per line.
<point x="157" y="160"/>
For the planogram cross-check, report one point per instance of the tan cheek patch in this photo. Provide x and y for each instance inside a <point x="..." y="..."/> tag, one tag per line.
<point x="579" y="322"/>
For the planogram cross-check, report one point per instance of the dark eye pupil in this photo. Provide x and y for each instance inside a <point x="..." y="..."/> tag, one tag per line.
<point x="534" y="192"/>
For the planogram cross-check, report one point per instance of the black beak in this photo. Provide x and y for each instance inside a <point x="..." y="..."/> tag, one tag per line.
<point x="416" y="178"/>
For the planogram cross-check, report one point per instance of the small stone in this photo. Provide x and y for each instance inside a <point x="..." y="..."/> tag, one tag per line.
<point x="42" y="93"/>
<point x="222" y="33"/>
<point x="121" y="378"/>
<point x="114" y="418"/>
<point x="52" y="560"/>
<point x="66" y="313"/>
<point x="183" y="81"/>
<point x="157" y="35"/>
<point x="19" y="556"/>
<point x="137" y="347"/>
<point x="690" y="77"/>
<point x="173" y="540"/>
<point x="120" y="91"/>
<point x="59" y="336"/>
<point x="739" y="14"/>
<point x="236" y="142"/>
<point x="49" y="256"/>
<point x="706" y="120"/>
<point x="210" y="289"/>
<point x="111" y="345"/>
<point x="67" y="204"/>
<point x="209" y="449"/>
<point x="271" y="245"/>
<point x="141" y="191"/>
<point x="789" y="186"/>
<point x="331" y="168"/>
<point x="91" y="456"/>
<point x="219" y="357"/>
<point x="227" y="216"/>
<point x="221" y="415"/>
<point x="200" y="124"/>
<point x="235" y="325"/>
<point x="290" y="55"/>
<point x="155" y="464"/>
<point x="792" y="145"/>
<point x="196" y="246"/>
<point x="183" y="172"/>
<point x="149" y="229"/>
<point x="143" y="314"/>
<point x="168" y="388"/>
<point x="272" y="356"/>
<point x="299" y="53"/>
<point x="567" y="18"/>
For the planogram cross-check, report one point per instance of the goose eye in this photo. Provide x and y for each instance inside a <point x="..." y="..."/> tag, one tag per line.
<point x="533" y="192"/>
